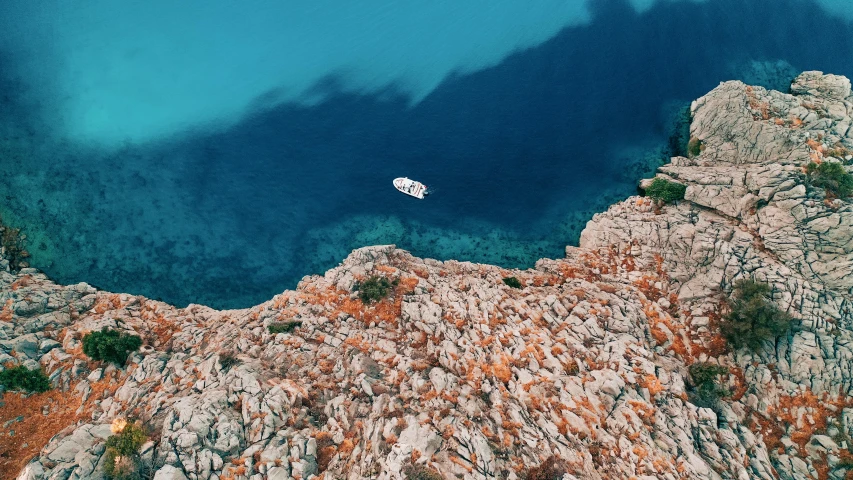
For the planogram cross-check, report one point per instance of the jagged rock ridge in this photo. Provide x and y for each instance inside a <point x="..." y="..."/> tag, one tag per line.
<point x="474" y="379"/>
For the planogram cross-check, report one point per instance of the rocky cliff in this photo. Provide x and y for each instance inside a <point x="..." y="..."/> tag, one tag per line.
<point x="456" y="374"/>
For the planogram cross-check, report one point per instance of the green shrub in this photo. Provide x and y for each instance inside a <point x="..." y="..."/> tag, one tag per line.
<point x="665" y="190"/>
<point x="374" y="289"/>
<point x="110" y="345"/>
<point x="22" y="378"/>
<point x="707" y="388"/>
<point x="831" y="177"/>
<point x="122" y="460"/>
<point x="228" y="360"/>
<point x="129" y="440"/>
<point x="753" y="318"/>
<point x="282" y="327"/>
<point x="512" y="282"/>
<point x="694" y="147"/>
<point x="420" y="472"/>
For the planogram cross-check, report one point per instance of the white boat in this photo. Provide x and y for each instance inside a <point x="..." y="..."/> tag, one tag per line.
<point x="411" y="187"/>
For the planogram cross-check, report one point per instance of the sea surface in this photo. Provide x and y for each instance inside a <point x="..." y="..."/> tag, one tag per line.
<point x="215" y="152"/>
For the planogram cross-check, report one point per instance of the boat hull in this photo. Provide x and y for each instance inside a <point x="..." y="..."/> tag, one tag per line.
<point x="410" y="187"/>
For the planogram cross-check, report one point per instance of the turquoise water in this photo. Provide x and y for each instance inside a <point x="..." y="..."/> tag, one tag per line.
<point x="216" y="153"/>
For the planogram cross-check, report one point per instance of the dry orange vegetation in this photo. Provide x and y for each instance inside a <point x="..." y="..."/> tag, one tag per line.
<point x="35" y="430"/>
<point x="652" y="383"/>
<point x="763" y="108"/>
<point x="6" y="313"/>
<point x="809" y="413"/>
<point x="21" y="282"/>
<point x="814" y="145"/>
<point x="107" y="302"/>
<point x="386" y="310"/>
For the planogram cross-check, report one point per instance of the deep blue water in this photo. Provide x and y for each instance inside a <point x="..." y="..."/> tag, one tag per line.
<point x="233" y="203"/>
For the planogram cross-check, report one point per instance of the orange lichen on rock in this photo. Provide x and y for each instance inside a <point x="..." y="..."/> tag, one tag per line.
<point x="462" y="463"/>
<point x="500" y="369"/>
<point x="107" y="302"/>
<point x="386" y="269"/>
<point x="815" y="145"/>
<point x="643" y="410"/>
<point x="808" y="411"/>
<point x="659" y="319"/>
<point x="652" y="383"/>
<point x="763" y="108"/>
<point x="387" y="310"/>
<point x="640" y="451"/>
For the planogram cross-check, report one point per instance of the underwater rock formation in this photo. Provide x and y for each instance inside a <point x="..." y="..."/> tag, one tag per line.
<point x="456" y="374"/>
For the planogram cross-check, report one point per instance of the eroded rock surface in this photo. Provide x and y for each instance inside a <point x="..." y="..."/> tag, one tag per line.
<point x="459" y="372"/>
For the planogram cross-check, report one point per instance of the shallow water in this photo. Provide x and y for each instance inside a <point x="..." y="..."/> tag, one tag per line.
<point x="213" y="160"/>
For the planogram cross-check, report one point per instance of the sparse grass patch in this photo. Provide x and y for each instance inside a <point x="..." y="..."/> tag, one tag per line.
<point x="707" y="388"/>
<point x="512" y="282"/>
<point x="22" y="378"/>
<point x="838" y="151"/>
<point x="283" y="327"/>
<point x="753" y="318"/>
<point x="110" y="345"/>
<point x="375" y="288"/>
<point x="666" y="191"/>
<point x="831" y="177"/>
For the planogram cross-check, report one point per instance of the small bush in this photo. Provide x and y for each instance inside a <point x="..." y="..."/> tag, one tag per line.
<point x="122" y="460"/>
<point x="420" y="472"/>
<point x="665" y="190"/>
<point x="553" y="468"/>
<point x="283" y="327"/>
<point x="694" y="147"/>
<point x="110" y="345"/>
<point x="22" y="378"/>
<point x="228" y="360"/>
<point x="707" y="389"/>
<point x="753" y="318"/>
<point x="831" y="177"/>
<point x="512" y="282"/>
<point x="374" y="289"/>
<point x="128" y="440"/>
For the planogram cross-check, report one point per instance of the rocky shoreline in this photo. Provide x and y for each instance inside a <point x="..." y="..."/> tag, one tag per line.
<point x="458" y="374"/>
